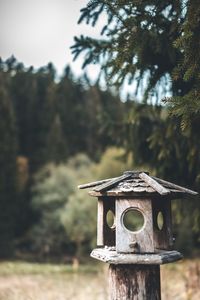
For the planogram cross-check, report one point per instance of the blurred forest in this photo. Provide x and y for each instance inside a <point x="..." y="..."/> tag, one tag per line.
<point x="56" y="134"/>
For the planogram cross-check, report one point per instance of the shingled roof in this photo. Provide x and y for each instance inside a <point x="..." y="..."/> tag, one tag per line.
<point x="135" y="183"/>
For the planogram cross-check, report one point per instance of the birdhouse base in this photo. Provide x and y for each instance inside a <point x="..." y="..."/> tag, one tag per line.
<point x="109" y="255"/>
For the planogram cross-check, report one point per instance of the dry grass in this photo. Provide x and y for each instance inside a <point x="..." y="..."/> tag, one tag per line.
<point x="181" y="280"/>
<point x="25" y="281"/>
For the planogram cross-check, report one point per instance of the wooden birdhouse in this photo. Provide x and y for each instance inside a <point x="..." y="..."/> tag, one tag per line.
<point x="134" y="212"/>
<point x="134" y="232"/>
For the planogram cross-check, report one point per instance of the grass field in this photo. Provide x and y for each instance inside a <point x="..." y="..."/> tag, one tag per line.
<point x="29" y="281"/>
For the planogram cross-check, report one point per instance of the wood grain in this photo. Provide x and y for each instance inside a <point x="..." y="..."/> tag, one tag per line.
<point x="143" y="237"/>
<point x="100" y="220"/>
<point x="105" y="234"/>
<point x="134" y="282"/>
<point x="108" y="255"/>
<point x="163" y="239"/>
<point x="175" y="186"/>
<point x="154" y="184"/>
<point x="112" y="183"/>
<point x="94" y="183"/>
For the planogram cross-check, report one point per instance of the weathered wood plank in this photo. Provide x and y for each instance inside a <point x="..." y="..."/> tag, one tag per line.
<point x="94" y="183"/>
<point x="100" y="221"/>
<point x="175" y="186"/>
<point x="154" y="184"/>
<point x="134" y="282"/>
<point x="108" y="233"/>
<point x="163" y="238"/>
<point x="113" y="193"/>
<point x="143" y="237"/>
<point x="112" y="257"/>
<point x="112" y="183"/>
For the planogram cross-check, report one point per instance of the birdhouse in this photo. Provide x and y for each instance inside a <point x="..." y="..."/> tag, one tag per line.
<point x="134" y="212"/>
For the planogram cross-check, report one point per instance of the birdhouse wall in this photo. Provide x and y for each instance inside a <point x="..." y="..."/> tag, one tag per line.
<point x="163" y="238"/>
<point x="134" y="241"/>
<point x="105" y="234"/>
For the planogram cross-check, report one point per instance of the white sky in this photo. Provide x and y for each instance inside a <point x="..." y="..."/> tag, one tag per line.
<point x="40" y="31"/>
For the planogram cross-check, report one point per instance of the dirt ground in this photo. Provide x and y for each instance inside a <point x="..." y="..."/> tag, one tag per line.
<point x="180" y="281"/>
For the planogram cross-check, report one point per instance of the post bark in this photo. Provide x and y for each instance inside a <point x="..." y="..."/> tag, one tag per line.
<point x="134" y="282"/>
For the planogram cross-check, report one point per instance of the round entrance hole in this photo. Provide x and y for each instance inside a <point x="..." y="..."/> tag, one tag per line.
<point x="110" y="219"/>
<point x="133" y="220"/>
<point x="160" y="220"/>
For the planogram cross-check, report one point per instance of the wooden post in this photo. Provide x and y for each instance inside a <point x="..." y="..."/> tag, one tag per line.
<point x="134" y="276"/>
<point x="134" y="282"/>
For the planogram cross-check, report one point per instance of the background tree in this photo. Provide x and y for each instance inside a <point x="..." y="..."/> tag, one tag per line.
<point x="61" y="211"/>
<point x="157" y="142"/>
<point x="137" y="41"/>
<point x="8" y="171"/>
<point x="51" y="190"/>
<point x="187" y="107"/>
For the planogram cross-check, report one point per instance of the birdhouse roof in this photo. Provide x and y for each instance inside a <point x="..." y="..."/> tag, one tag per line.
<point x="135" y="183"/>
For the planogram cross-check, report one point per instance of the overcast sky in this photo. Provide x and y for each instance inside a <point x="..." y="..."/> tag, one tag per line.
<point x="39" y="31"/>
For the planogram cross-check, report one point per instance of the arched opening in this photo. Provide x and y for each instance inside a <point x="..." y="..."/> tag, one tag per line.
<point x="160" y="220"/>
<point x="110" y="219"/>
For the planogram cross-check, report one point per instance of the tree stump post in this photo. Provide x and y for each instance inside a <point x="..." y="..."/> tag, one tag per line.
<point x="134" y="276"/>
<point x="134" y="282"/>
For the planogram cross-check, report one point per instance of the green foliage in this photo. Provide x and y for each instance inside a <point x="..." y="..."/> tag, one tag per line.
<point x="158" y="144"/>
<point x="113" y="163"/>
<point x="8" y="172"/>
<point x="56" y="120"/>
<point x="152" y="42"/>
<point x="156" y="140"/>
<point x="56" y="142"/>
<point x="62" y="211"/>
<point x="137" y="41"/>
<point x="187" y="107"/>
<point x="79" y="220"/>
<point x="53" y="185"/>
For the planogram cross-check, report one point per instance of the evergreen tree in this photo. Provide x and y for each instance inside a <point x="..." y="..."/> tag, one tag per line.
<point x="56" y="142"/>
<point x="8" y="190"/>
<point x="156" y="43"/>
<point x="157" y="142"/>
<point x="71" y="109"/>
<point x="187" y="107"/>
<point x="137" y="41"/>
<point x="33" y="97"/>
<point x="104" y="115"/>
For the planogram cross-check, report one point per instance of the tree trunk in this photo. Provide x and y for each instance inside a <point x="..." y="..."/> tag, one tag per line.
<point x="134" y="282"/>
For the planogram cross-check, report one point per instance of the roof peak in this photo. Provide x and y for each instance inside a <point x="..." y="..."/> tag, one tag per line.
<point x="133" y="172"/>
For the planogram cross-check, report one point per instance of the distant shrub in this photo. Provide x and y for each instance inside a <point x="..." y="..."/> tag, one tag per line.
<point x="55" y="200"/>
<point x="113" y="163"/>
